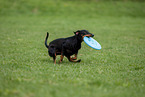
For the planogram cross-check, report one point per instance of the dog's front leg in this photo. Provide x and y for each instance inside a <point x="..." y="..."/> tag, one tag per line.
<point x="71" y="60"/>
<point x="74" y="58"/>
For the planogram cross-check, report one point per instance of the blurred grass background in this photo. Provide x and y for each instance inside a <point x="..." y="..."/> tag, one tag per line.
<point x="79" y="8"/>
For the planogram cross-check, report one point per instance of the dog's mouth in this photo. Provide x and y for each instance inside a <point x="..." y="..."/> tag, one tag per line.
<point x="89" y="35"/>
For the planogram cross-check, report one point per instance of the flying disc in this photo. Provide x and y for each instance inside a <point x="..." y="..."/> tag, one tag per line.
<point x="92" y="43"/>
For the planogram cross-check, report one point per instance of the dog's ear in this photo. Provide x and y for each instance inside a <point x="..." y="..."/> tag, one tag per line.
<point x="77" y="32"/>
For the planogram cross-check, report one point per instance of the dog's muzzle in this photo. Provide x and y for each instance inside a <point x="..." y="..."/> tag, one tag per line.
<point x="89" y="35"/>
<point x="92" y="35"/>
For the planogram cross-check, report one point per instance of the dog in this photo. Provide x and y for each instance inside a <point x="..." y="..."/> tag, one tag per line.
<point x="67" y="46"/>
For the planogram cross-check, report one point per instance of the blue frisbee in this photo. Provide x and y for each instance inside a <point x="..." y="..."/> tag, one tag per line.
<point x="92" y="43"/>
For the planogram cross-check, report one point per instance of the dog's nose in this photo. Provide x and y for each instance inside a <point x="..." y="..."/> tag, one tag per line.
<point x="92" y="35"/>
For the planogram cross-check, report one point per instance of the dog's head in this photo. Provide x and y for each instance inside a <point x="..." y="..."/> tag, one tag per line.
<point x="82" y="33"/>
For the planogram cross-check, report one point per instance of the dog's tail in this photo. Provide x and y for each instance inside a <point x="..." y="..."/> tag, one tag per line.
<point x="46" y="40"/>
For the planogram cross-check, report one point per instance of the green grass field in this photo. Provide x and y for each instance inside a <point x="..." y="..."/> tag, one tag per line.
<point x="117" y="70"/>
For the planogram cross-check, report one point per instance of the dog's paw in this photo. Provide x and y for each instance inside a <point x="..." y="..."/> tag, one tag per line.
<point x="79" y="60"/>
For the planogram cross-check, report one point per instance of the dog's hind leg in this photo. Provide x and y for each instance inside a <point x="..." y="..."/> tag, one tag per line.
<point x="61" y="57"/>
<point x="54" y="58"/>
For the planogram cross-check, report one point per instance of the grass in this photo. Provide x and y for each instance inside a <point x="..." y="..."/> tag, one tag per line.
<point x="117" y="70"/>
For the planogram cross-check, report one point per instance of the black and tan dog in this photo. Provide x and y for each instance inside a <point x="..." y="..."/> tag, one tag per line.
<point x="67" y="46"/>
